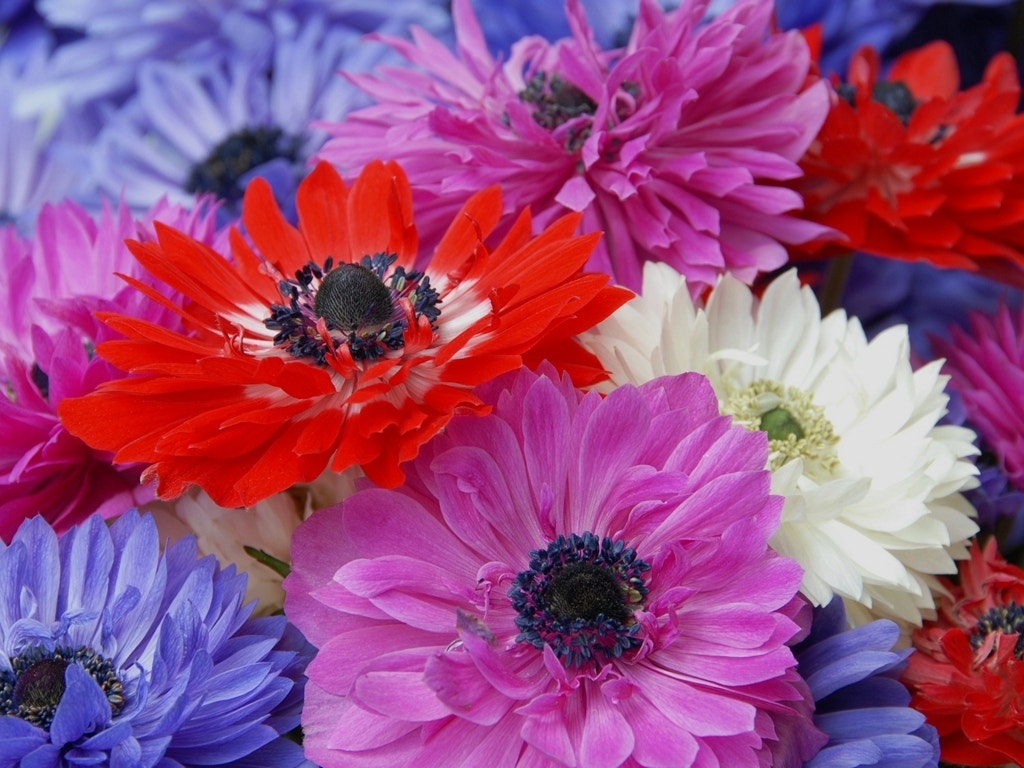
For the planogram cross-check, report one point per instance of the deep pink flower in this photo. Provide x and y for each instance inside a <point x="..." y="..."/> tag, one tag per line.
<point x="50" y="286"/>
<point x="986" y="367"/>
<point x="670" y="145"/>
<point x="570" y="580"/>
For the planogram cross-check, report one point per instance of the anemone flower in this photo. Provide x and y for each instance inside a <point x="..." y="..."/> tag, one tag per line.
<point x="503" y="23"/>
<point x="883" y="292"/>
<point x="209" y="126"/>
<point x="986" y="366"/>
<point x="673" y="145"/>
<point x="872" y="481"/>
<point x="327" y="348"/>
<point x="113" y="653"/>
<point x="112" y="39"/>
<point x="859" y="701"/>
<point x="48" y="334"/>
<point x="33" y="167"/>
<point x="570" y="580"/>
<point x="967" y="674"/>
<point x="908" y="167"/>
<point x="255" y="540"/>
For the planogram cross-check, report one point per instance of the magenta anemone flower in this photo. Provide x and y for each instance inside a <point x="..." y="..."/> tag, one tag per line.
<point x="49" y="286"/>
<point x="570" y="580"/>
<point x="986" y="367"/>
<point x="671" y="145"/>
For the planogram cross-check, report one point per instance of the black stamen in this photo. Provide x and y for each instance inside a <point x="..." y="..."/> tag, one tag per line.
<point x="896" y="96"/>
<point x="1007" y="619"/>
<point x="34" y="686"/>
<point x="238" y="154"/>
<point x="578" y="597"/>
<point x="41" y="380"/>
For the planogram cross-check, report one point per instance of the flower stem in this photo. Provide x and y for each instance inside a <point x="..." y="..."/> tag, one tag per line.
<point x="279" y="566"/>
<point x="835" y="281"/>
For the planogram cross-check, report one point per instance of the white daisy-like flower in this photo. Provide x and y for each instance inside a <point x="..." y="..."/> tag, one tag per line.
<point x="872" y="483"/>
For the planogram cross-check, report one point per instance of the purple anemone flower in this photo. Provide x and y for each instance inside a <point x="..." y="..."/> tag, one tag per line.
<point x="570" y="580"/>
<point x="34" y="168"/>
<point x="211" y="126"/>
<point x="859" y="700"/>
<point x="672" y="145"/>
<point x="114" y="653"/>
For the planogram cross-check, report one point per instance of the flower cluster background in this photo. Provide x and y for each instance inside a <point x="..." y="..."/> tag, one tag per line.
<point x="511" y="384"/>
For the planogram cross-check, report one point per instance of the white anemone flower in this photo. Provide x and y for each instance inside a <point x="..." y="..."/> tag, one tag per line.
<point x="872" y="482"/>
<point x="225" y="533"/>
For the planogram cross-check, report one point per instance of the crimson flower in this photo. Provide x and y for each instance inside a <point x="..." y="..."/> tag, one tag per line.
<point x="968" y="673"/>
<point x="909" y="167"/>
<point x="323" y="347"/>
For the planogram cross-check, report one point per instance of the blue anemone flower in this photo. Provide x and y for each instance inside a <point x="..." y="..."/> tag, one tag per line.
<point x="210" y="126"/>
<point x="859" y="701"/>
<point x="114" y="653"/>
<point x="115" y="36"/>
<point x="884" y="292"/>
<point x="34" y="169"/>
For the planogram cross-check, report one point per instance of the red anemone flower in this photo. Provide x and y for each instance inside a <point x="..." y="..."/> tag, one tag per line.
<point x="324" y="347"/>
<point x="909" y="167"/>
<point x="968" y="673"/>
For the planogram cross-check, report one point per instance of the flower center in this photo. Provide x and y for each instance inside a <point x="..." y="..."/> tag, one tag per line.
<point x="239" y="153"/>
<point x="366" y="307"/>
<point x="556" y="101"/>
<point x="351" y="296"/>
<point x="34" y="686"/>
<point x="41" y="380"/>
<point x="895" y="96"/>
<point x="796" y="427"/>
<point x="1007" y="619"/>
<point x="578" y="596"/>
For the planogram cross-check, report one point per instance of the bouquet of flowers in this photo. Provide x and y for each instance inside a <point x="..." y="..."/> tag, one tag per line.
<point x="508" y="384"/>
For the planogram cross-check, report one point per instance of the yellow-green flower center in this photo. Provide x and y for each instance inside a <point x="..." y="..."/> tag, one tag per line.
<point x="797" y="428"/>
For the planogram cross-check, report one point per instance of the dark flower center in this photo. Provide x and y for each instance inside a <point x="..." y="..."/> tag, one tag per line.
<point x="34" y="686"/>
<point x="239" y="153"/>
<point x="362" y="306"/>
<point x="896" y="96"/>
<point x="578" y="596"/>
<point x="351" y="296"/>
<point x="41" y="380"/>
<point x="556" y="101"/>
<point x="1007" y="619"/>
<point x="586" y="591"/>
<point x="779" y="424"/>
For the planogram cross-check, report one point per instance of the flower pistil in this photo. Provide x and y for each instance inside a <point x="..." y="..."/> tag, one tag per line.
<point x="578" y="596"/>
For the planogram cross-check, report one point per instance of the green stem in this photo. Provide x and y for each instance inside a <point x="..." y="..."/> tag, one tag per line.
<point x="836" y="273"/>
<point x="278" y="566"/>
